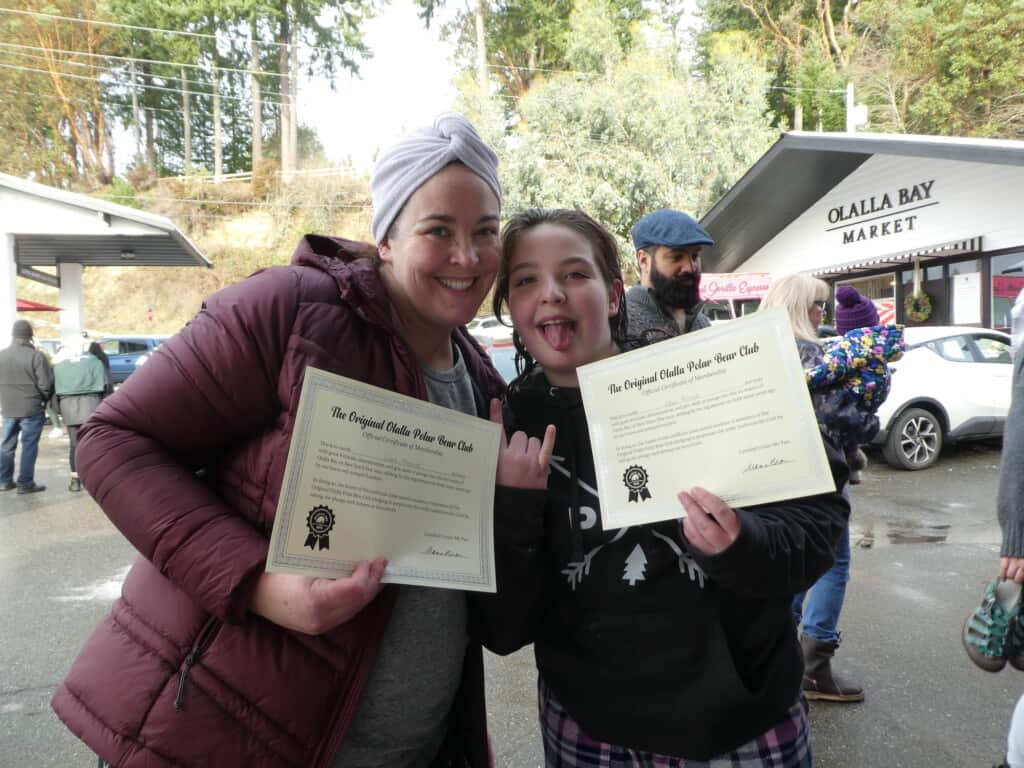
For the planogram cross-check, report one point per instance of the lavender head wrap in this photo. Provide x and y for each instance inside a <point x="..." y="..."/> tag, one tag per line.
<point x="407" y="165"/>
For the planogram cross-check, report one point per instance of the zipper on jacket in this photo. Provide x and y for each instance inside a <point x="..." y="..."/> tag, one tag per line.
<point x="201" y="644"/>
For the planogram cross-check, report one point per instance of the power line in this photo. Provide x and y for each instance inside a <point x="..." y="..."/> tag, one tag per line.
<point x="106" y="102"/>
<point x="804" y="90"/>
<point x="115" y="25"/>
<point x="163" y="62"/>
<point x="543" y="69"/>
<point x="111" y="70"/>
<point x="254" y="204"/>
<point x="125" y="85"/>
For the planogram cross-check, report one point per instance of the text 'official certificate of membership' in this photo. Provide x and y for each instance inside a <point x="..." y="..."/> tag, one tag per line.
<point x="725" y="408"/>
<point x="371" y="473"/>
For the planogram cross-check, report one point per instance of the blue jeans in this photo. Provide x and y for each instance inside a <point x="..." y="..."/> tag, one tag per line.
<point x="825" y="598"/>
<point x="30" y="427"/>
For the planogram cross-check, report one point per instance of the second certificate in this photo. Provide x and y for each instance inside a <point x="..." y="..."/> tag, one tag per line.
<point x="724" y="408"/>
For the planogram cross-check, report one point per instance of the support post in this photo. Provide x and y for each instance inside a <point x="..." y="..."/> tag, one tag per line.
<point x="8" y="297"/>
<point x="71" y="304"/>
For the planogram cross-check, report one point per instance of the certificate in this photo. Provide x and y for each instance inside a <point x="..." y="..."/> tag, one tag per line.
<point x="371" y="473"/>
<point x="725" y="408"/>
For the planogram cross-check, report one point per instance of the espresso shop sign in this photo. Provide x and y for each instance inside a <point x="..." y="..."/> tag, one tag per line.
<point x="881" y="215"/>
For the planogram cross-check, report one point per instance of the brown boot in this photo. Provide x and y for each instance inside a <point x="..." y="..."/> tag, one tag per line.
<point x="819" y="681"/>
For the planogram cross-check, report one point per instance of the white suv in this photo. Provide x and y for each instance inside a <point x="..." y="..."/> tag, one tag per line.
<point x="953" y="383"/>
<point x="489" y="328"/>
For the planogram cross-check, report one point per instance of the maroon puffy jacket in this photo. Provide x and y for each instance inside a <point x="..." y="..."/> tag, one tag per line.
<point x="187" y="460"/>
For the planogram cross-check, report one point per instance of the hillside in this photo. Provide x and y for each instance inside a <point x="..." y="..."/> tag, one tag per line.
<point x="238" y="231"/>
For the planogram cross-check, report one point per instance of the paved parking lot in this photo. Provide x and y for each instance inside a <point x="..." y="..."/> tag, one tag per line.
<point x="934" y="544"/>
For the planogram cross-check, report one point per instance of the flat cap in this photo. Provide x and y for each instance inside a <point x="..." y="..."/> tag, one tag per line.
<point x="669" y="228"/>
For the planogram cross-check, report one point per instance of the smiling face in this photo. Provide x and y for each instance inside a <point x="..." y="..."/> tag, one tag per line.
<point x="441" y="254"/>
<point x="559" y="301"/>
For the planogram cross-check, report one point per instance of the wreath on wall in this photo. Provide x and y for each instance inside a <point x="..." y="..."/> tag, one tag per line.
<point x="918" y="306"/>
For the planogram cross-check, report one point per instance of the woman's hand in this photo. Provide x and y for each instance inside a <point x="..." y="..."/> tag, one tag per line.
<point x="315" y="605"/>
<point x="1012" y="569"/>
<point x="710" y="525"/>
<point x="523" y="461"/>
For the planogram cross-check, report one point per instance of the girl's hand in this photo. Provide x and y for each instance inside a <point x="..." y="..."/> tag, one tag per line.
<point x="710" y="525"/>
<point x="1012" y="569"/>
<point x="315" y="605"/>
<point x="523" y="461"/>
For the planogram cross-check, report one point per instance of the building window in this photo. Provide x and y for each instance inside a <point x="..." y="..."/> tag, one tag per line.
<point x="1007" y="282"/>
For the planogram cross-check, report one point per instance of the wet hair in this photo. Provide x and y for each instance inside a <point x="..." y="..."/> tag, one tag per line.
<point x="606" y="257"/>
<point x="796" y="293"/>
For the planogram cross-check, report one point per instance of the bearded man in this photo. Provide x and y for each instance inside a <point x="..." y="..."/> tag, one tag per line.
<point x="668" y="247"/>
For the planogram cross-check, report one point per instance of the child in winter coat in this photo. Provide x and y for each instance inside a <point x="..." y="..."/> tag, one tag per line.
<point x="654" y="643"/>
<point x="854" y="374"/>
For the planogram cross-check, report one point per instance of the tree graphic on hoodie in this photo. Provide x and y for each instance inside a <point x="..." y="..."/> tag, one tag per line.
<point x="636" y="563"/>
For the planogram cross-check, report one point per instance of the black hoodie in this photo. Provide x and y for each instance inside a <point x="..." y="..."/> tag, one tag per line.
<point x="646" y="642"/>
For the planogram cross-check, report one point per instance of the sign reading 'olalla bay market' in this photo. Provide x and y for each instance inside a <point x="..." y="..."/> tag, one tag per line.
<point x="881" y="215"/>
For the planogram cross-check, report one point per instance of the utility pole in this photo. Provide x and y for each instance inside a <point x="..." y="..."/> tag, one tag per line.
<point x="293" y="102"/>
<point x="135" y="111"/>
<point x="481" y="49"/>
<point x="186" y="113"/>
<point x="856" y="114"/>
<point x="218" y="150"/>
<point x="257" y="102"/>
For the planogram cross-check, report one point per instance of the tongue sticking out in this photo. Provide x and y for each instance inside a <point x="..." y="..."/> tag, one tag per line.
<point x="559" y="335"/>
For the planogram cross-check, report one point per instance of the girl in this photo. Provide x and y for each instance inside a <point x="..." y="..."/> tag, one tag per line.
<point x="662" y="644"/>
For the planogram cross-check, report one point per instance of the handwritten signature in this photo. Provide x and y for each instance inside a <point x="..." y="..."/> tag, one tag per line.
<point x="774" y="461"/>
<point x="434" y="551"/>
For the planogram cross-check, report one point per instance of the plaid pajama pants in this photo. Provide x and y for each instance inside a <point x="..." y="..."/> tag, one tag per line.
<point x="787" y="745"/>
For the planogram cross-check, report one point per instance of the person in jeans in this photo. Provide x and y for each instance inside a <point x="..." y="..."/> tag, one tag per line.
<point x="805" y="299"/>
<point x="26" y="385"/>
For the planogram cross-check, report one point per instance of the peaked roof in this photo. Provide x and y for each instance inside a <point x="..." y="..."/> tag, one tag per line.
<point x="801" y="167"/>
<point x="164" y="245"/>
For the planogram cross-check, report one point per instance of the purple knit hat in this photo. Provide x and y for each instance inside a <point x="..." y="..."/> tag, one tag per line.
<point x="854" y="310"/>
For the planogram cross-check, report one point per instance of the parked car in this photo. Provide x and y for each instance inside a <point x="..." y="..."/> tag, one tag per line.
<point x="49" y="346"/>
<point x="126" y="353"/>
<point x="953" y="383"/>
<point x="503" y="355"/>
<point x="487" y="328"/>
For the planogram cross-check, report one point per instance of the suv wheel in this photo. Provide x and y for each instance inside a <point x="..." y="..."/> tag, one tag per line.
<point x="915" y="440"/>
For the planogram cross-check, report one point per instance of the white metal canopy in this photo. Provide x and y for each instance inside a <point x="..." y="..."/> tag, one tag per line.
<point x="41" y="226"/>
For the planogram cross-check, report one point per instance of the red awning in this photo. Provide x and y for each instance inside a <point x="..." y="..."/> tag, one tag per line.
<point x="24" y="305"/>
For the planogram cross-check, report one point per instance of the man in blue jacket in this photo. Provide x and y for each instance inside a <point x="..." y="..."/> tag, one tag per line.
<point x="26" y="385"/>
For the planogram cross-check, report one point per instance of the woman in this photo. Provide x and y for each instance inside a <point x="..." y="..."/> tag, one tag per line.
<point x="209" y="660"/>
<point x="805" y="298"/>
<point x="97" y="351"/>
<point x="80" y="383"/>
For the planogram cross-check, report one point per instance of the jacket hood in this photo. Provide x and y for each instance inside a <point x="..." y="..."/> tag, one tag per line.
<point x="353" y="266"/>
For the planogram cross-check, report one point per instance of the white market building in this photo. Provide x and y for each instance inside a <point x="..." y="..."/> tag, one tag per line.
<point x="867" y="209"/>
<point x="42" y="226"/>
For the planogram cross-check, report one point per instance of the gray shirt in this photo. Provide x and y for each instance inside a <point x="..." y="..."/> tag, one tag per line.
<point x="402" y="716"/>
